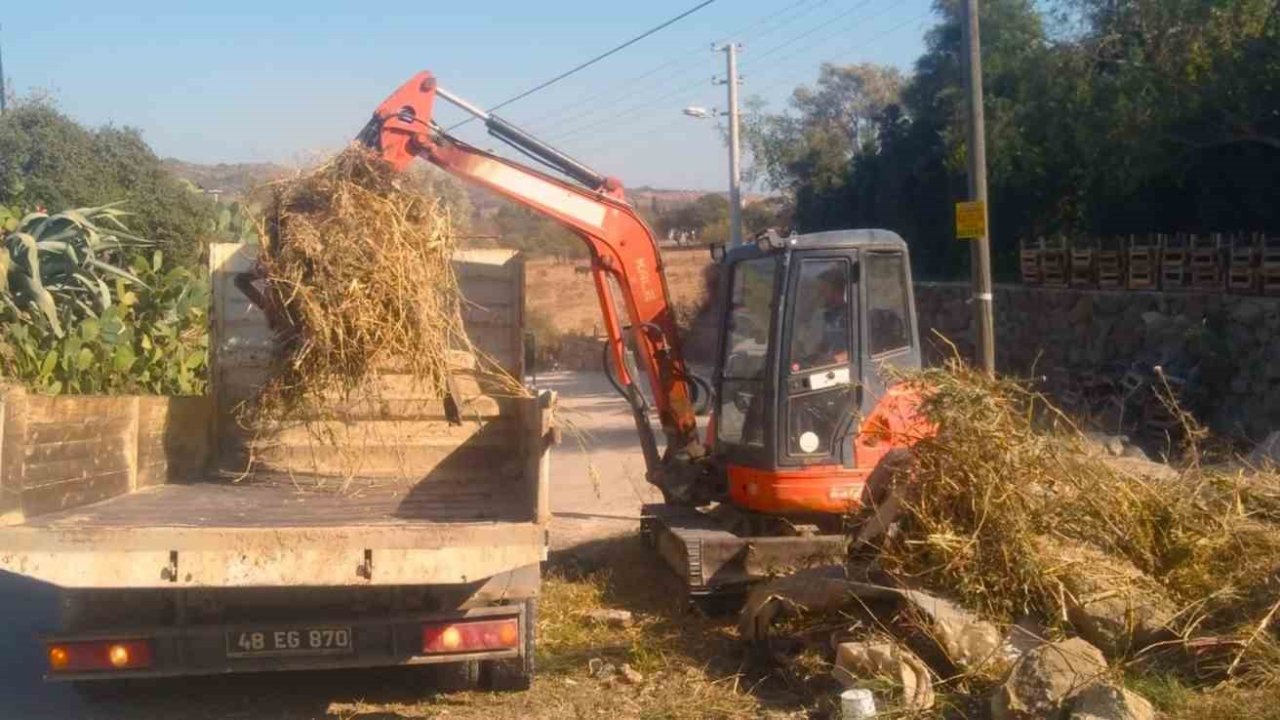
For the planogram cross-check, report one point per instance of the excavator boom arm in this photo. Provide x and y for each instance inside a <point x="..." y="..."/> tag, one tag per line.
<point x="622" y="247"/>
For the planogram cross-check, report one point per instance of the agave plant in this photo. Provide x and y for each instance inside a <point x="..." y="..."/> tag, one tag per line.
<point x="59" y="264"/>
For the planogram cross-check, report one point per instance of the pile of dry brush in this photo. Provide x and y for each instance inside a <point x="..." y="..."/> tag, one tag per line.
<point x="358" y="278"/>
<point x="1009" y="512"/>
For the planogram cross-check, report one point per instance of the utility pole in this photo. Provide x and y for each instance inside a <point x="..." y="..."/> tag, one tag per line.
<point x="984" y="320"/>
<point x="735" y="158"/>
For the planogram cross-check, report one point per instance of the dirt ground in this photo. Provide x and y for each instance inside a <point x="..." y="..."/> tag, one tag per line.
<point x="692" y="666"/>
<point x="564" y="296"/>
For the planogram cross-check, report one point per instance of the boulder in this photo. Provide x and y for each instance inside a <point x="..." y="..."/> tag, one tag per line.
<point x="1102" y="701"/>
<point x="883" y="658"/>
<point x="1248" y="311"/>
<point x="1045" y="678"/>
<point x="1267" y="453"/>
<point x="1113" y="604"/>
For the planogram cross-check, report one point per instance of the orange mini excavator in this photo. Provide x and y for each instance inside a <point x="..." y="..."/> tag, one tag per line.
<point x="802" y="410"/>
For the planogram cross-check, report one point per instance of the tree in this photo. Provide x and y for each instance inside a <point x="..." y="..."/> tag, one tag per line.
<point x="49" y="160"/>
<point x="825" y="127"/>
<point x="1104" y="117"/>
<point x="706" y="219"/>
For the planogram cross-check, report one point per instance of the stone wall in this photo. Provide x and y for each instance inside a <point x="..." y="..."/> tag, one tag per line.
<point x="1226" y="348"/>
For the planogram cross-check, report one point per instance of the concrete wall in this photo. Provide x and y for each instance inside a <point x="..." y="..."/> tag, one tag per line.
<point x="1227" y="347"/>
<point x="66" y="451"/>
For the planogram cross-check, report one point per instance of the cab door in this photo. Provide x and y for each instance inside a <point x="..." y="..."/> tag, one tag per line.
<point x="819" y="372"/>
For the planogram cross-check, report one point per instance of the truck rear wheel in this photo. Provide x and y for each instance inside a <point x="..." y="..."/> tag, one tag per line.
<point x="517" y="673"/>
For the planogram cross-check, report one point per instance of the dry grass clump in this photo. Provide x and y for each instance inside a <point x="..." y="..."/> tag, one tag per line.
<point x="1007" y="511"/>
<point x="357" y="269"/>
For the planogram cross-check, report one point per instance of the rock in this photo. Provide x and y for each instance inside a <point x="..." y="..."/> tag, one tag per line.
<point x="970" y="642"/>
<point x="1101" y="701"/>
<point x="1155" y="322"/>
<point x="601" y="669"/>
<point x="1113" y="604"/>
<point x="1267" y="452"/>
<point x="812" y="590"/>
<point x="1113" y="445"/>
<point x="630" y="675"/>
<point x="1044" y="678"/>
<point x="1240" y="384"/>
<point x="1247" y="312"/>
<point x="1136" y="453"/>
<point x="884" y="658"/>
<point x="611" y="618"/>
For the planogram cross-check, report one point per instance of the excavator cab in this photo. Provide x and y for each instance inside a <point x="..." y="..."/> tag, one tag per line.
<point x="812" y="326"/>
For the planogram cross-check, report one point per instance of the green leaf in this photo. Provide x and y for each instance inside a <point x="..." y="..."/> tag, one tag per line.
<point x="118" y="272"/>
<point x="84" y="360"/>
<point x="123" y="358"/>
<point x="50" y="362"/>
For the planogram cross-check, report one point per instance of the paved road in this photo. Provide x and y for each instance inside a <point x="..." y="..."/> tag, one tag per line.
<point x="597" y="489"/>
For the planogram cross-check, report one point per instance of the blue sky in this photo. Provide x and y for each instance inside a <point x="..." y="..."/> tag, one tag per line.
<point x="235" y="81"/>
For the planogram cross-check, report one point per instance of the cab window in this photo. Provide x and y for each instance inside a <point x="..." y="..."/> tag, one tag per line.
<point x="820" y="317"/>
<point x="887" y="317"/>
<point x="746" y="353"/>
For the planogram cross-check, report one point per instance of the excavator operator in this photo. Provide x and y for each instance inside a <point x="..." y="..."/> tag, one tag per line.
<point x="823" y="338"/>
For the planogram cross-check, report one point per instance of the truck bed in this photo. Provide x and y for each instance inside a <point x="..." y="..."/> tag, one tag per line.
<point x="388" y="485"/>
<point x="273" y="502"/>
<point x="268" y="533"/>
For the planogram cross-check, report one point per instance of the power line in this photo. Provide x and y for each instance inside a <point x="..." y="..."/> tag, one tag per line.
<point x="673" y="118"/>
<point x="886" y="32"/>
<point x="629" y="87"/>
<point x="582" y="66"/>
<point x="637" y="107"/>
<point x="810" y="31"/>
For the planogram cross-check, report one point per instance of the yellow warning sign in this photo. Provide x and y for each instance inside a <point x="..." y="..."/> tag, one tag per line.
<point x="971" y="220"/>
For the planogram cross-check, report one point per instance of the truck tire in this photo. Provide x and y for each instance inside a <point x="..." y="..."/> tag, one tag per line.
<point x="459" y="676"/>
<point x="515" y="674"/>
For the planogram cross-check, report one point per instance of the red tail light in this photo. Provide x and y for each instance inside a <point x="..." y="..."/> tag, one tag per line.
<point x="99" y="655"/>
<point x="471" y="636"/>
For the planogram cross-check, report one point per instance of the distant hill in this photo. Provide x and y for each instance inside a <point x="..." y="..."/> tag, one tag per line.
<point x="645" y="196"/>
<point x="234" y="179"/>
<point x="228" y="179"/>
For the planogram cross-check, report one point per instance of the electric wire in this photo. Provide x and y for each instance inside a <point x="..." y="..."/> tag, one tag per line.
<point x="583" y="66"/>
<point x="630" y="89"/>
<point x="666" y="121"/>
<point x="565" y="133"/>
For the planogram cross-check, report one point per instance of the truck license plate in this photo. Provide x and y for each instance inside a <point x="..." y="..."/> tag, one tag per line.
<point x="290" y="641"/>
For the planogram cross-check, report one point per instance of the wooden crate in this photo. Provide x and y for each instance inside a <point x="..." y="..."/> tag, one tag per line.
<point x="1029" y="261"/>
<point x="1242" y="263"/>
<point x="1084" y="254"/>
<point x="1054" y="262"/>
<point x="1175" y="268"/>
<point x="1204" y="260"/>
<point x="1269" y="266"/>
<point x="1110" y="263"/>
<point x="1144" y="262"/>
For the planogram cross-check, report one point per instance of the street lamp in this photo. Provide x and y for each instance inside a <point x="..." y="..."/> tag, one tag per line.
<point x="735" y="194"/>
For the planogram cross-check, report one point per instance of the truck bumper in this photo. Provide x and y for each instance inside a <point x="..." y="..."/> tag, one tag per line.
<point x="205" y="649"/>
